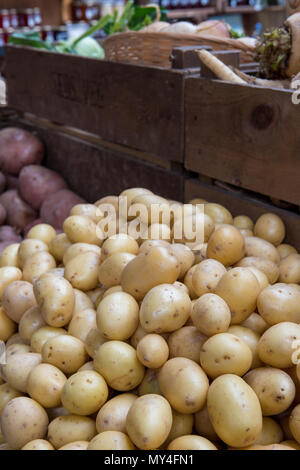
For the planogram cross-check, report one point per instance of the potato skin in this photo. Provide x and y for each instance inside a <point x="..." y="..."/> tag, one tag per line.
<point x="275" y="347"/>
<point x="111" y="440"/>
<point x="17" y="298"/>
<point x="149" y="421"/>
<point x="77" y="445"/>
<point x="18" y="368"/>
<point x="19" y="412"/>
<point x="18" y="149"/>
<point x="30" y="322"/>
<point x="211" y="314"/>
<point x="7" y="393"/>
<point x="38" y="444"/>
<point x="111" y="270"/>
<point x="41" y="336"/>
<point x="37" y="265"/>
<point x="290" y="269"/>
<point x="19" y="213"/>
<point x="70" y="428"/>
<point x="279" y="302"/>
<point x="65" y="352"/>
<point x="273" y="387"/>
<point x="271" y="228"/>
<point x="191" y="442"/>
<point x="226" y="245"/>
<point x="186" y="342"/>
<point x="7" y="326"/>
<point x="36" y="183"/>
<point x="112" y="415"/>
<point x="56" y="208"/>
<point x="294" y="423"/>
<point x="184" y="384"/>
<point x="268" y="267"/>
<point x="234" y="411"/>
<point x="206" y="276"/>
<point x="45" y="384"/>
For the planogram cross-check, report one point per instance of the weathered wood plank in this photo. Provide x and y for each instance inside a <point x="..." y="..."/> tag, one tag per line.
<point x="240" y="203"/>
<point x="136" y="106"/>
<point x="248" y="136"/>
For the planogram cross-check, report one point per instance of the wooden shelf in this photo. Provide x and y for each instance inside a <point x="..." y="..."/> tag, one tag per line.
<point x="192" y="12"/>
<point x="243" y="9"/>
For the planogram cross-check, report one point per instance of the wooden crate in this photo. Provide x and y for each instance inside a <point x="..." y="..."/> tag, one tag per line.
<point x="94" y="169"/>
<point x="241" y="202"/>
<point x="245" y="135"/>
<point x="138" y="107"/>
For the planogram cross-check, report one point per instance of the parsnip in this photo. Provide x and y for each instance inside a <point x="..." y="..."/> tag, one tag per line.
<point x="218" y="67"/>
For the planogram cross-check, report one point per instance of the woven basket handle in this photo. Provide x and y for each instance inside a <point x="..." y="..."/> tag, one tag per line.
<point x="158" y="14"/>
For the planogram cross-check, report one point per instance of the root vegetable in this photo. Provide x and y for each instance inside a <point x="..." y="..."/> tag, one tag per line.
<point x="57" y="207"/>
<point x="19" y="213"/>
<point x="218" y="67"/>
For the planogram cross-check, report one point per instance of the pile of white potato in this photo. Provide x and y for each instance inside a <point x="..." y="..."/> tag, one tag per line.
<point x="130" y="343"/>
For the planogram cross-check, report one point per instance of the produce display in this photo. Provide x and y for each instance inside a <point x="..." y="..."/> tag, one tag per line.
<point x="29" y="193"/>
<point x="116" y="341"/>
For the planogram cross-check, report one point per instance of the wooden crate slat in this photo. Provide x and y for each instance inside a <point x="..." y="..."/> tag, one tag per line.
<point x="136" y="106"/>
<point x="240" y="204"/>
<point x="248" y="136"/>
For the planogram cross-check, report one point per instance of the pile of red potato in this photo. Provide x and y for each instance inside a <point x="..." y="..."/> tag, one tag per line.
<point x="29" y="193"/>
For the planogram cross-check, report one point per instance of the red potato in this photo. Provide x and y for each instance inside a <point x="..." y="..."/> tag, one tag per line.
<point x="37" y="183"/>
<point x="3" y="214"/>
<point x="56" y="208"/>
<point x="19" y="148"/>
<point x="19" y="213"/>
<point x="10" y="234"/>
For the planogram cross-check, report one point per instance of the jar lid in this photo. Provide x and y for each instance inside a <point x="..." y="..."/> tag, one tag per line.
<point x="12" y="11"/>
<point x="37" y="9"/>
<point x="4" y="11"/>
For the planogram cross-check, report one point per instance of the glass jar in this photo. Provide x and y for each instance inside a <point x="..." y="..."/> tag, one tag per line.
<point x="13" y="17"/>
<point x="26" y="18"/>
<point x="38" y="21"/>
<point x="85" y="11"/>
<point x="4" y="19"/>
<point x="47" y="33"/>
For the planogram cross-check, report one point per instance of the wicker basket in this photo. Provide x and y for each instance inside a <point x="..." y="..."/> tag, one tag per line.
<point x="155" y="48"/>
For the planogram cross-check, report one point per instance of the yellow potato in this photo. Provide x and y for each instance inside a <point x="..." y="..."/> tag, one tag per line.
<point x="191" y="442"/>
<point x="273" y="387"/>
<point x="55" y="298"/>
<point x="93" y="341"/>
<point x="58" y="246"/>
<point x="149" y="421"/>
<point x="117" y="362"/>
<point x="7" y="275"/>
<point x="270" y="269"/>
<point x="239" y="288"/>
<point x="193" y="229"/>
<point x="234" y="411"/>
<point x="149" y="208"/>
<point x="164" y="309"/>
<point x="84" y="393"/>
<point x="186" y="342"/>
<point x="185" y="257"/>
<point x="17" y="297"/>
<point x="43" y="232"/>
<point x="251" y="338"/>
<point x="77" y="445"/>
<point x="184" y="384"/>
<point x="206" y="276"/>
<point x="226" y="245"/>
<point x="70" y="428"/>
<point x="65" y="352"/>
<point x="279" y="302"/>
<point x="294" y="423"/>
<point x="292" y="444"/>
<point x="23" y="420"/>
<point x="137" y="336"/>
<point x="41" y="336"/>
<point x="17" y="369"/>
<point x="271" y="433"/>
<point x="131" y="193"/>
<point x="38" y="444"/>
<point x="275" y="347"/>
<point x="261" y="249"/>
<point x="9" y="256"/>
<point x="79" y="248"/>
<point x="14" y="339"/>
<point x="111" y="290"/>
<point x="243" y="222"/>
<point x="211" y="315"/>
<point x="95" y="295"/>
<point x="81" y="229"/>
<point x="260" y="276"/>
<point x="182" y="425"/>
<point x="44" y="384"/>
<point x="37" y="265"/>
<point x="110" y="200"/>
<point x="246" y="233"/>
<point x="149" y="383"/>
<point x="111" y="440"/>
<point x="148" y="244"/>
<point x="119" y="243"/>
<point x="225" y="353"/>
<point x="28" y="248"/>
<point x="82" y="323"/>
<point x="82" y="301"/>
<point x="188" y="281"/>
<point x="30" y="322"/>
<point x="16" y="348"/>
<point x="203" y="425"/>
<point x="256" y="323"/>
<point x="271" y="228"/>
<point x="7" y="326"/>
<point x="87" y="210"/>
<point x="118" y="316"/>
<point x="284" y="250"/>
<point x="218" y="213"/>
<point x="82" y="271"/>
<point x="112" y="415"/>
<point x="110" y="271"/>
<point x="152" y="351"/>
<point x="146" y="271"/>
<point x="290" y="269"/>
<point x="199" y="252"/>
<point x="7" y="393"/>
